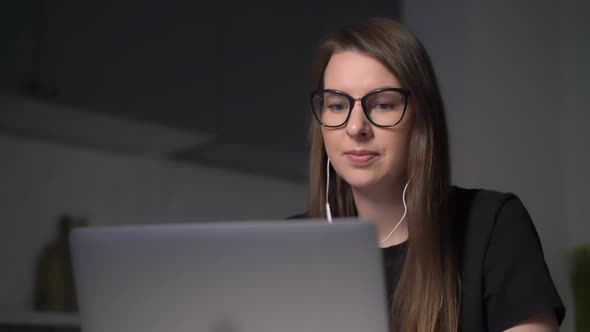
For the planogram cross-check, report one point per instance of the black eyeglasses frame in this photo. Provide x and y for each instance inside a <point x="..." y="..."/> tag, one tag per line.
<point x="352" y="101"/>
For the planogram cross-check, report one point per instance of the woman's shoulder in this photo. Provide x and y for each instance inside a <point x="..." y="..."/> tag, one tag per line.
<point x="501" y="253"/>
<point x="482" y="218"/>
<point x="479" y="209"/>
<point x="478" y="198"/>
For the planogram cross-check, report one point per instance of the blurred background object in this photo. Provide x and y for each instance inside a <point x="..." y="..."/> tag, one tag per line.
<point x="55" y="289"/>
<point x="580" y="274"/>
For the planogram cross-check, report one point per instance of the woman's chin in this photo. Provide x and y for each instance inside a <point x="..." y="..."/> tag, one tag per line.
<point x="362" y="181"/>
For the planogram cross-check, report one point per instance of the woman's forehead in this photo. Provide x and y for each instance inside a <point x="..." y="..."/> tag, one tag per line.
<point x="357" y="73"/>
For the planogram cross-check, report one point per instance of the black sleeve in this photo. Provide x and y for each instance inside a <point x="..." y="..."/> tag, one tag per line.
<point x="517" y="281"/>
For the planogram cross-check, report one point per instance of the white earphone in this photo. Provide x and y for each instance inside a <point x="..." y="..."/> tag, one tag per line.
<point x="329" y="212"/>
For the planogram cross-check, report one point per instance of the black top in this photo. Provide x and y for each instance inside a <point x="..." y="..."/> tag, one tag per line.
<point x="504" y="277"/>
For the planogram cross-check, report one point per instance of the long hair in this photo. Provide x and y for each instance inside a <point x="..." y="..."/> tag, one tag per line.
<point x="427" y="294"/>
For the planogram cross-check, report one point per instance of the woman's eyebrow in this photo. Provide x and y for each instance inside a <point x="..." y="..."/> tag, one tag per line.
<point x="366" y="92"/>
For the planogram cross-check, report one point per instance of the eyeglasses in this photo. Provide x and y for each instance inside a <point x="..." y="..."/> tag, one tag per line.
<point x="384" y="107"/>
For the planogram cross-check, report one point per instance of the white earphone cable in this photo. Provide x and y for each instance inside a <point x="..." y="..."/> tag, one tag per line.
<point x="403" y="216"/>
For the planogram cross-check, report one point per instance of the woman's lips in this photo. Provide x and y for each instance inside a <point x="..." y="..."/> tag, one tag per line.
<point x="361" y="158"/>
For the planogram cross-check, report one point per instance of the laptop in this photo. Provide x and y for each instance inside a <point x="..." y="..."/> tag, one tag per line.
<point x="272" y="276"/>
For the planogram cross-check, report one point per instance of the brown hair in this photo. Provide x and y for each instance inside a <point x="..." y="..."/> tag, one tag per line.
<point x="427" y="293"/>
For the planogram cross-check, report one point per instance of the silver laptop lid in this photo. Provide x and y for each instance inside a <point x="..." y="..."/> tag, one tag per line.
<point x="231" y="277"/>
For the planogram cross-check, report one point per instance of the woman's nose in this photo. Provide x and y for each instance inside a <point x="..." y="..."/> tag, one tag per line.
<point x="358" y="126"/>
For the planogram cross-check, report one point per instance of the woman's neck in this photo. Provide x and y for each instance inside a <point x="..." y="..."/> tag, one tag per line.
<point x="384" y="208"/>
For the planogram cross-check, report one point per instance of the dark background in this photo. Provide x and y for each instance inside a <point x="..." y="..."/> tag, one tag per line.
<point x="237" y="71"/>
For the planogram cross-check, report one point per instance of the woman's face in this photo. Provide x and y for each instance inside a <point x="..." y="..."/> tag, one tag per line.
<point x="364" y="155"/>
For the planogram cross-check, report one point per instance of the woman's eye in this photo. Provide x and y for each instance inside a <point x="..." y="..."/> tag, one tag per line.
<point x="385" y="107"/>
<point x="336" y="107"/>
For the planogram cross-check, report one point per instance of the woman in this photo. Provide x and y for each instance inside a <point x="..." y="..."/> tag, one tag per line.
<point x="455" y="259"/>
